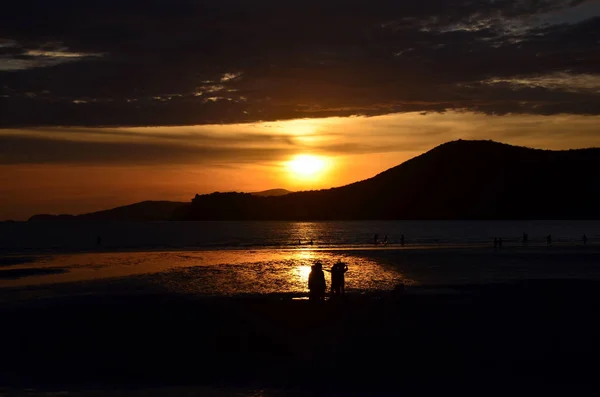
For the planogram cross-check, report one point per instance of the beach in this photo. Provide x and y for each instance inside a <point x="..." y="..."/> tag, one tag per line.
<point x="231" y="272"/>
<point x="470" y="319"/>
<point x="536" y="335"/>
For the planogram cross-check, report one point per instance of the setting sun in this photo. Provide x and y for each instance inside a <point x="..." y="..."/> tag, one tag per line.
<point x="306" y="166"/>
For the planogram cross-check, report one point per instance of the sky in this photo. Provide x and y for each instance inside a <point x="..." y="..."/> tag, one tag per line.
<point x="108" y="103"/>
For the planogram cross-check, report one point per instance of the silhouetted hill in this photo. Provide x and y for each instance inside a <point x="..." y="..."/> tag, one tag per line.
<point x="142" y="211"/>
<point x="48" y="217"/>
<point x="456" y="180"/>
<point x="272" y="192"/>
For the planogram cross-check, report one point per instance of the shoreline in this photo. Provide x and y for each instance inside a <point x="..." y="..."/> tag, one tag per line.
<point x="564" y="245"/>
<point x="414" y="265"/>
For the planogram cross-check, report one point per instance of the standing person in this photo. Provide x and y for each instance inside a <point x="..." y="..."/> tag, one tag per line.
<point x="584" y="239"/>
<point x="385" y="240"/>
<point x="402" y="240"/>
<point x="335" y="280"/>
<point x="549" y="240"/>
<point x="525" y="238"/>
<point x="316" y="282"/>
<point x="376" y="239"/>
<point x="339" y="269"/>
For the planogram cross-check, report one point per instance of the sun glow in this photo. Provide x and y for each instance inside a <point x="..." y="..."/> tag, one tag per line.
<point x="306" y="166"/>
<point x="303" y="272"/>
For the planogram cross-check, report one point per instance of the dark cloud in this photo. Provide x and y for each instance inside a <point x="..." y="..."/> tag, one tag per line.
<point x="178" y="62"/>
<point x="41" y="150"/>
<point x="120" y="147"/>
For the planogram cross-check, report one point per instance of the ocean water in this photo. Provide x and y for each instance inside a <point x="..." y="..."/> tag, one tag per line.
<point x="237" y="258"/>
<point x="140" y="236"/>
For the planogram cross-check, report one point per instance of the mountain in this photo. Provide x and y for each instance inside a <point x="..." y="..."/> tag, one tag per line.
<point x="456" y="180"/>
<point x="272" y="192"/>
<point x="142" y="211"/>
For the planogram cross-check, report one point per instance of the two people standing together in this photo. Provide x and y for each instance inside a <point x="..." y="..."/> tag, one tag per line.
<point x="317" y="284"/>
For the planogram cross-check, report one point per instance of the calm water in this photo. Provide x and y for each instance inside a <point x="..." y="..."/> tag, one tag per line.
<point x="31" y="237"/>
<point x="229" y="258"/>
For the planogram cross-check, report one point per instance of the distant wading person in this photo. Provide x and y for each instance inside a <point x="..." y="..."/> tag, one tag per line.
<point x="316" y="282"/>
<point x="549" y="240"/>
<point x="584" y="239"/>
<point x="337" y="278"/>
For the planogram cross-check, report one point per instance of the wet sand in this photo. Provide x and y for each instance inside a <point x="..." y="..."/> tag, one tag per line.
<point x="537" y="335"/>
<point x="475" y="321"/>
<point x="285" y="270"/>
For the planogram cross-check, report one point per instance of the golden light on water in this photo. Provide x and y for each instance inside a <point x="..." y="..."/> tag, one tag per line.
<point x="303" y="272"/>
<point x="305" y="259"/>
<point x="306" y="167"/>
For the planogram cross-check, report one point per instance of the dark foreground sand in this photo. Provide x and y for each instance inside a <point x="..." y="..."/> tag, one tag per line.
<point x="516" y="338"/>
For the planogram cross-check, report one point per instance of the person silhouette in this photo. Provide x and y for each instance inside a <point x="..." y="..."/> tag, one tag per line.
<point x="402" y="239"/>
<point x="337" y="278"/>
<point x="334" y="278"/>
<point x="549" y="240"/>
<point x="584" y="239"/>
<point x="98" y="240"/>
<point x="385" y="241"/>
<point x="376" y="239"/>
<point x="525" y="238"/>
<point x="316" y="282"/>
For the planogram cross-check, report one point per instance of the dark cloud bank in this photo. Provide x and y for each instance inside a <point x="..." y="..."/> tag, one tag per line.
<point x="176" y="62"/>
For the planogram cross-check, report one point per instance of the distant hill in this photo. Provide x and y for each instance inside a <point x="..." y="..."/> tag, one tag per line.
<point x="272" y="192"/>
<point x="142" y="211"/>
<point x="456" y="180"/>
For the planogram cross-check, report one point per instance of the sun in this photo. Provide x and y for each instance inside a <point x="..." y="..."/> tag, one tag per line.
<point x="306" y="166"/>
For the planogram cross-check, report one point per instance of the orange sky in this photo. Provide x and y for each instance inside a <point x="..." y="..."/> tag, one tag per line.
<point x="76" y="170"/>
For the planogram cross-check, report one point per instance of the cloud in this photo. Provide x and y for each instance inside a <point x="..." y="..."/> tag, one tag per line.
<point x="274" y="142"/>
<point x="555" y="81"/>
<point x="184" y="62"/>
<point x="15" y="149"/>
<point x="17" y="58"/>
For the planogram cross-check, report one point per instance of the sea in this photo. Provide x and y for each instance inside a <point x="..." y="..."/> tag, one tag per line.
<point x="237" y="258"/>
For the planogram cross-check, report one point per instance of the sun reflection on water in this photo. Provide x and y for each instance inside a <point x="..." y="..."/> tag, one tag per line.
<point x="276" y="271"/>
<point x="305" y="258"/>
<point x="219" y="272"/>
<point x="303" y="272"/>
